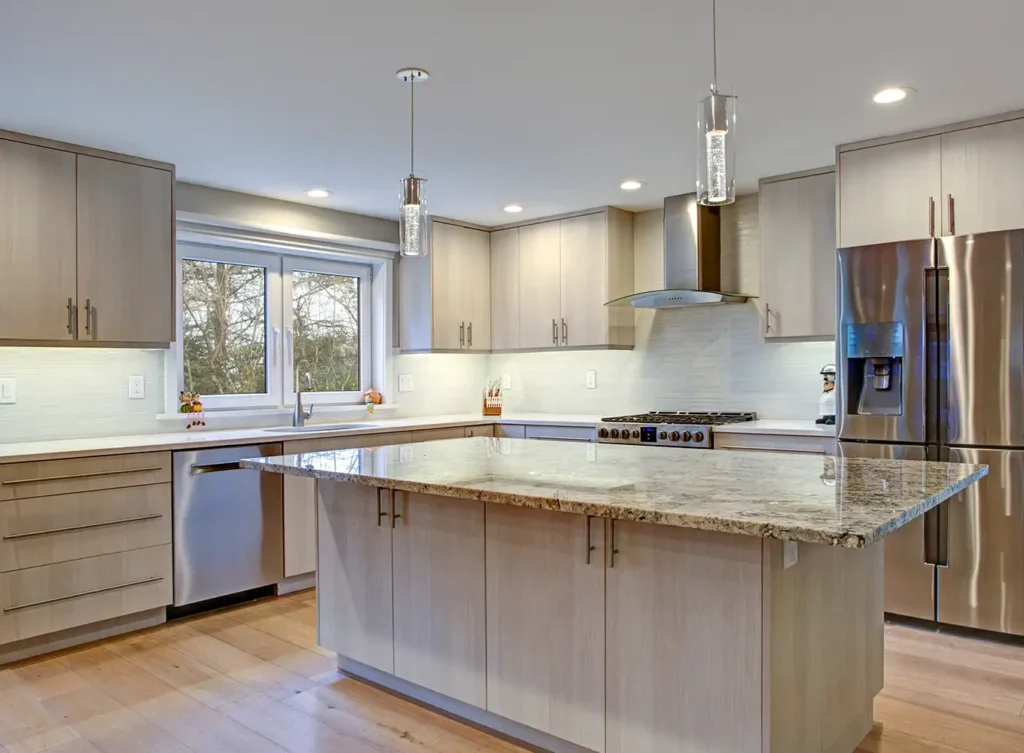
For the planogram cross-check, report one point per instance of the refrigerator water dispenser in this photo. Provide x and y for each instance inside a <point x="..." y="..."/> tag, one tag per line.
<point x="874" y="362"/>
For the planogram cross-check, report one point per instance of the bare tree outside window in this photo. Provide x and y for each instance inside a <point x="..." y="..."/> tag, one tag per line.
<point x="225" y="315"/>
<point x="325" y="321"/>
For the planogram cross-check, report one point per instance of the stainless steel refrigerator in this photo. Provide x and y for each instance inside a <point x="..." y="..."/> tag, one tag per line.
<point x="930" y="342"/>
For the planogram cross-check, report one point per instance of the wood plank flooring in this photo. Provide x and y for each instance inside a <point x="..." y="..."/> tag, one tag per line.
<point x="252" y="680"/>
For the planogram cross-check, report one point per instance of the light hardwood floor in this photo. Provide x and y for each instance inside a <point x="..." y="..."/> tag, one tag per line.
<point x="252" y="679"/>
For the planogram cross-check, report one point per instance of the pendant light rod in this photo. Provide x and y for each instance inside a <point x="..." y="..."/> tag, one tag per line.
<point x="412" y="76"/>
<point x="714" y="46"/>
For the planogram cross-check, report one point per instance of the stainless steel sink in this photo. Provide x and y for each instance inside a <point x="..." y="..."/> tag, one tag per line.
<point x="320" y="427"/>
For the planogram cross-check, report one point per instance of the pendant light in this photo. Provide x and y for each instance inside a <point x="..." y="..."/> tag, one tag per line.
<point x="413" y="213"/>
<point x="716" y="132"/>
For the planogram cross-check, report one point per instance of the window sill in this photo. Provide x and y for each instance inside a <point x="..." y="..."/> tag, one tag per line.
<point x="249" y="414"/>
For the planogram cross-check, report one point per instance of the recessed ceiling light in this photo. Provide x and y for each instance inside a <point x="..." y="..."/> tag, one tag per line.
<point x="318" y="193"/>
<point x="891" y="95"/>
<point x="631" y="185"/>
<point x="513" y="208"/>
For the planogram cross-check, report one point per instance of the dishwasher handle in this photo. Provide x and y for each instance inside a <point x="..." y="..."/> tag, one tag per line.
<point x="198" y="470"/>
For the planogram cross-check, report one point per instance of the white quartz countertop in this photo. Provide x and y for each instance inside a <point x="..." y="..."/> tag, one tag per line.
<point x="780" y="427"/>
<point x="14" y="452"/>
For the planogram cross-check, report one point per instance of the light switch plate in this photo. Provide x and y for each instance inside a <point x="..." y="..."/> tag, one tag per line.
<point x="591" y="380"/>
<point x="136" y="387"/>
<point x="8" y="390"/>
<point x="405" y="383"/>
<point x="506" y="381"/>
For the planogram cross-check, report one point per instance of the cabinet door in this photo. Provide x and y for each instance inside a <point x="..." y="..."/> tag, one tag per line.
<point x="354" y="546"/>
<point x="886" y="192"/>
<point x="37" y="242"/>
<point x="125" y="252"/>
<point x="446" y="286"/>
<point x="584" y="280"/>
<point x="798" y="256"/>
<point x="505" y="289"/>
<point x="439" y="592"/>
<point x="981" y="171"/>
<point x="540" y="306"/>
<point x="476" y="288"/>
<point x="545" y="622"/>
<point x="300" y="498"/>
<point x="684" y="653"/>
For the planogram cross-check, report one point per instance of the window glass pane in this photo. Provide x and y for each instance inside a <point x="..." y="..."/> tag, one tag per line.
<point x="325" y="320"/>
<point x="225" y="316"/>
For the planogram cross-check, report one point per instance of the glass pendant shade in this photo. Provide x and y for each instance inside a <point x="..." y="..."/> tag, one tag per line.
<point x="716" y="154"/>
<point x="413" y="240"/>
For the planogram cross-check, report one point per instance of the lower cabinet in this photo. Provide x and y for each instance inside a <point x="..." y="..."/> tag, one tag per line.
<point x="663" y="629"/>
<point x="818" y="445"/>
<point x="439" y="595"/>
<point x="355" y="554"/>
<point x="545" y="622"/>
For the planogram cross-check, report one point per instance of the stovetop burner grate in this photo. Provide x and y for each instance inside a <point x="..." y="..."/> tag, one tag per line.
<point x="683" y="417"/>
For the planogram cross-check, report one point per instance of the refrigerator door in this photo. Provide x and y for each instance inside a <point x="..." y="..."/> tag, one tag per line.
<point x="986" y="338"/>
<point x="909" y="580"/>
<point x="885" y="285"/>
<point x="983" y="587"/>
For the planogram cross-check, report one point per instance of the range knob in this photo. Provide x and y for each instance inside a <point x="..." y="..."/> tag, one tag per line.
<point x="615" y="433"/>
<point x="602" y="433"/>
<point x="674" y="436"/>
<point x="663" y="435"/>
<point x="636" y="434"/>
<point x="686" y="436"/>
<point x="698" y="436"/>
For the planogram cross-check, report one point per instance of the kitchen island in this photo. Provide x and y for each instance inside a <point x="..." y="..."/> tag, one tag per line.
<point x="613" y="598"/>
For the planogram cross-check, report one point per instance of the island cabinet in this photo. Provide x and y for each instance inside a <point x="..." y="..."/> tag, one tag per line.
<point x="545" y="622"/>
<point x="87" y="246"/>
<point x="407" y="591"/>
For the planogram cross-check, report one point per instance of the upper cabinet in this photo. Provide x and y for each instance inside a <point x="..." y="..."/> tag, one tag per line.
<point x="446" y="297"/>
<point x="87" y="245"/>
<point x="505" y="289"/>
<point x="890" y="193"/>
<point x="568" y="270"/>
<point x="964" y="180"/>
<point x="797" y="220"/>
<point x="37" y="243"/>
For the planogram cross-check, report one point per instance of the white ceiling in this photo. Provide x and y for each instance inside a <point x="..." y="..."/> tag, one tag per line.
<point x="549" y="103"/>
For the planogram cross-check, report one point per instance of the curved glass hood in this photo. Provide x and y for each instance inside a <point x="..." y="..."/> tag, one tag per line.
<point x="693" y="260"/>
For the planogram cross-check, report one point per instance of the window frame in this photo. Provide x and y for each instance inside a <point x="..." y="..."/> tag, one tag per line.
<point x="279" y="265"/>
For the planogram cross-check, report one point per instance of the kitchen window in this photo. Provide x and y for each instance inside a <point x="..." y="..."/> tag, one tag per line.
<point x="251" y="320"/>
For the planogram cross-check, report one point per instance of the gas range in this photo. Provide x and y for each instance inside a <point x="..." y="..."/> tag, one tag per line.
<point x="666" y="428"/>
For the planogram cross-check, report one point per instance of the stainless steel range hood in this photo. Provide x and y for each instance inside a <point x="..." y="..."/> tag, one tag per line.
<point x="693" y="259"/>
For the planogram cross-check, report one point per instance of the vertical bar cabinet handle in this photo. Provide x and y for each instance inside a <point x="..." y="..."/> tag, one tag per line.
<point x="767" y="318"/>
<point x="554" y="332"/>
<point x="612" y="551"/>
<point x="462" y="335"/>
<point x="88" y="315"/>
<point x="469" y="331"/>
<point x="949" y="210"/>
<point x="590" y="546"/>
<point x="380" y="508"/>
<point x="565" y="333"/>
<point x="931" y="216"/>
<point x="71" y="317"/>
<point x="395" y="515"/>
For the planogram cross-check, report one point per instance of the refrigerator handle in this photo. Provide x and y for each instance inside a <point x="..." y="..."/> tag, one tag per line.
<point x="931" y="357"/>
<point x="942" y="357"/>
<point x="931" y="216"/>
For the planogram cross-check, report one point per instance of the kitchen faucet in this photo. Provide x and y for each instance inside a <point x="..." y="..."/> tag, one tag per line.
<point x="299" y="415"/>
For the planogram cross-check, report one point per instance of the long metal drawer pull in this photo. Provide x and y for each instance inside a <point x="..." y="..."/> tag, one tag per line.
<point x="73" y="476"/>
<point x="83" y="593"/>
<point x="86" y="527"/>
<point x="198" y="470"/>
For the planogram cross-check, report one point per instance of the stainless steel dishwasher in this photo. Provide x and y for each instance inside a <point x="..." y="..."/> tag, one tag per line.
<point x="228" y="523"/>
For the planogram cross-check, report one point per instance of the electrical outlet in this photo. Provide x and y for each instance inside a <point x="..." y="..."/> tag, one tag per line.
<point x="136" y="387"/>
<point x="8" y="390"/>
<point x="591" y="380"/>
<point x="506" y="381"/>
<point x="405" y="383"/>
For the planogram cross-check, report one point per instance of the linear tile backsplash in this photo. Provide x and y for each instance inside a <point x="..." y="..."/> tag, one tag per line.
<point x="708" y="358"/>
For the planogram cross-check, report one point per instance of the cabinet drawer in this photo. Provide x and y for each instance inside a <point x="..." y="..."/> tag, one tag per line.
<point x="48" y="530"/>
<point x="569" y="433"/>
<point x="52" y="598"/>
<point x="775" y="443"/>
<point x="480" y="431"/>
<point x="51" y="477"/>
<point x="433" y="435"/>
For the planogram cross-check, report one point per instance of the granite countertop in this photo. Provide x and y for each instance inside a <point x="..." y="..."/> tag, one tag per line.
<point x="849" y="502"/>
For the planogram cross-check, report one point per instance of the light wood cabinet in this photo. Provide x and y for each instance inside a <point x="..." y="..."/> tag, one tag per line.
<point x="355" y="554"/>
<point x="583" y="279"/>
<point x="797" y="217"/>
<point x="300" y="497"/>
<point x="545" y="622"/>
<point x="125" y="252"/>
<point x="540" y="286"/>
<point x="37" y="243"/>
<point x="981" y="179"/>
<point x="87" y="244"/>
<point x="439" y="595"/>
<point x="480" y="431"/>
<point x="505" y="289"/>
<point x="890" y="193"/>
<point x="433" y="435"/>
<point x="445" y="298"/>
<point x="663" y="628"/>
